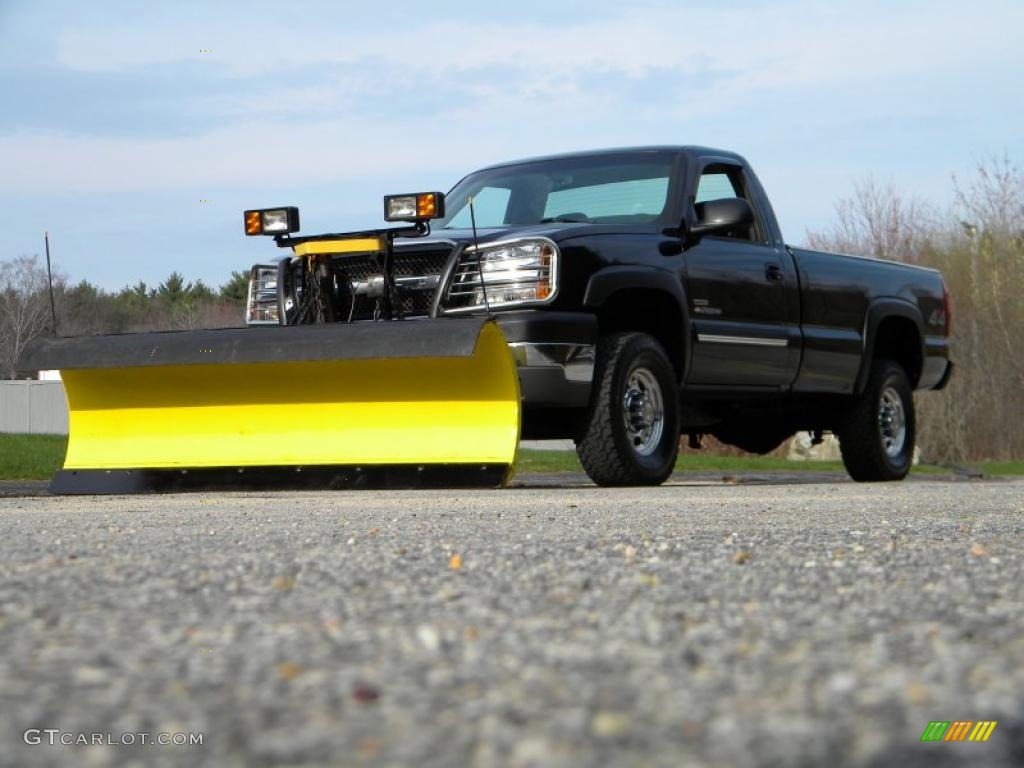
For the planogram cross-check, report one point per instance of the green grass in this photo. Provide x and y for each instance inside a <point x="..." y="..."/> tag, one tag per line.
<point x="31" y="457"/>
<point x="37" y="457"/>
<point x="1001" y="467"/>
<point x="566" y="461"/>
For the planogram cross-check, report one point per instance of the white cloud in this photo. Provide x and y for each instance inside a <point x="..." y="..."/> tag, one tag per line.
<point x="343" y="149"/>
<point x="766" y="45"/>
<point x="517" y="89"/>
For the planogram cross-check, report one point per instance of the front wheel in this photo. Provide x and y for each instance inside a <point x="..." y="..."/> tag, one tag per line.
<point x="632" y="430"/>
<point x="876" y="436"/>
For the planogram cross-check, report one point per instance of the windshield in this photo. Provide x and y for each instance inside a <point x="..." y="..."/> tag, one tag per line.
<point x="601" y="189"/>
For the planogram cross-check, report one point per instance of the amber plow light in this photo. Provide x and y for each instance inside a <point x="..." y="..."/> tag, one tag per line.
<point x="253" y="224"/>
<point x="272" y="221"/>
<point x="421" y="206"/>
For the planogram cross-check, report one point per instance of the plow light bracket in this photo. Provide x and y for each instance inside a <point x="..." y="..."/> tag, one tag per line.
<point x="272" y="221"/>
<point x="415" y="206"/>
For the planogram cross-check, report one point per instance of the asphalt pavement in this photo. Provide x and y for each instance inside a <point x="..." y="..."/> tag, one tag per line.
<point x="744" y="621"/>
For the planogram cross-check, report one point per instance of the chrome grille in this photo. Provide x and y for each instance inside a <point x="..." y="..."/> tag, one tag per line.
<point x="410" y="263"/>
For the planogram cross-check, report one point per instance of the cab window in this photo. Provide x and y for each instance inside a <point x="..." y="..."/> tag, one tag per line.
<point x="718" y="181"/>
<point x="715" y="186"/>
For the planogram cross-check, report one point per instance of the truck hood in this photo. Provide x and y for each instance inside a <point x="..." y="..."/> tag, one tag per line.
<point x="555" y="231"/>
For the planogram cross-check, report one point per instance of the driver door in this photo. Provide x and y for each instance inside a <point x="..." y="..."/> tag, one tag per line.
<point x="743" y="297"/>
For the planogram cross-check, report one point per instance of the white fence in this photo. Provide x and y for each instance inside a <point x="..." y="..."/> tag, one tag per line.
<point x="36" y="407"/>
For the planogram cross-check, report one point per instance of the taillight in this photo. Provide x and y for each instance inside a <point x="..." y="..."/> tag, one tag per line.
<point x="947" y="308"/>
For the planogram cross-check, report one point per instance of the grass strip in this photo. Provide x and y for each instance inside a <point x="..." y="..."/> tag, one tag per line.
<point x="37" y="457"/>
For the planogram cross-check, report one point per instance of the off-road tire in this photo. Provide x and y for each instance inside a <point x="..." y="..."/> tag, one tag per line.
<point x="861" y="435"/>
<point x="606" y="449"/>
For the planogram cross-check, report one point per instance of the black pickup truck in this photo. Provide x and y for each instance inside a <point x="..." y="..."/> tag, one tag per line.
<point x="647" y="294"/>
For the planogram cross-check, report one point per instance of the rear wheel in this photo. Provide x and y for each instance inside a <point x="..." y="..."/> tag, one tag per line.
<point x="632" y="431"/>
<point x="876" y="437"/>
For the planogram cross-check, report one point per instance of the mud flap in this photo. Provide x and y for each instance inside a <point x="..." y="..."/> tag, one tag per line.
<point x="412" y="403"/>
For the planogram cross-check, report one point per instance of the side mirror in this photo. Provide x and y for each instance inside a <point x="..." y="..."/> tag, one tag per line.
<point x="719" y="216"/>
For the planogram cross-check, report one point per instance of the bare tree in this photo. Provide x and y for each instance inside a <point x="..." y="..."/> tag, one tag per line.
<point x="983" y="261"/>
<point x="979" y="246"/>
<point x="878" y="221"/>
<point x="994" y="198"/>
<point x="24" y="309"/>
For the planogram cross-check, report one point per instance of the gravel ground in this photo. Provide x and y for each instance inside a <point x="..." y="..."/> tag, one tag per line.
<point x="703" y="623"/>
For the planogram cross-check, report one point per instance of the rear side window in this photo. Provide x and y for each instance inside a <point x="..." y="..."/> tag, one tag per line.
<point x="715" y="186"/>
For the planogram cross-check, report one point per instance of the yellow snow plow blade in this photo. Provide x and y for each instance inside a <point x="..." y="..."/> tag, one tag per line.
<point x="396" y="404"/>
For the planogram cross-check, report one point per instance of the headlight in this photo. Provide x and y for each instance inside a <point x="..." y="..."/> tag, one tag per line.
<point x="515" y="272"/>
<point x="272" y="221"/>
<point x="261" y="307"/>
<point x="414" y="207"/>
<point x="276" y="221"/>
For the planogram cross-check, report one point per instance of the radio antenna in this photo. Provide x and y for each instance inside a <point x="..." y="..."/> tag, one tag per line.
<point x="49" y="282"/>
<point x="479" y="257"/>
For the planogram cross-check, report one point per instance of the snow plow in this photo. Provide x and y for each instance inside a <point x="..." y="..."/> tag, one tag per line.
<point x="398" y="403"/>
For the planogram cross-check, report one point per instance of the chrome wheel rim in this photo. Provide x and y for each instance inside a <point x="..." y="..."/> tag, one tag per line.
<point x="643" y="411"/>
<point x="892" y="422"/>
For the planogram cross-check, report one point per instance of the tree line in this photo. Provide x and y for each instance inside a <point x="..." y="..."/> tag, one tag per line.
<point x="978" y="243"/>
<point x="83" y="308"/>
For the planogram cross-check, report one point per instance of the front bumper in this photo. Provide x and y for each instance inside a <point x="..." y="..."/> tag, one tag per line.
<point x="554" y="354"/>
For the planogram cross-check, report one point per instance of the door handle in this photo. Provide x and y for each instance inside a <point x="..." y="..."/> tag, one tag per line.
<point x="774" y="273"/>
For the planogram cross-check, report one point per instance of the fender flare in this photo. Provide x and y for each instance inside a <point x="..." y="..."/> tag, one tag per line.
<point x="879" y="310"/>
<point x="608" y="281"/>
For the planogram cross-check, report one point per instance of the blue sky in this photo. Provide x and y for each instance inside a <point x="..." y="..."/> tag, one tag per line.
<point x="115" y="125"/>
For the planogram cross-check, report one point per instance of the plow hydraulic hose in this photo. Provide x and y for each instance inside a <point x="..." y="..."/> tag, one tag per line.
<point x="394" y="404"/>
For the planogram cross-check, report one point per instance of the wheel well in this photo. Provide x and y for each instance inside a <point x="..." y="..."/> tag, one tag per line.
<point x="649" y="311"/>
<point x="899" y="340"/>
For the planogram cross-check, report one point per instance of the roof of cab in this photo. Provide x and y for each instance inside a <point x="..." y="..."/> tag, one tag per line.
<point x="683" y="149"/>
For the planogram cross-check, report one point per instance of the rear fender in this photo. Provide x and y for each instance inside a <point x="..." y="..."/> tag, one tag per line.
<point x="878" y="311"/>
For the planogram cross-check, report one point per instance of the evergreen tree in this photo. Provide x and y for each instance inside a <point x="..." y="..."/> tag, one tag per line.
<point x="173" y="290"/>
<point x="236" y="289"/>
